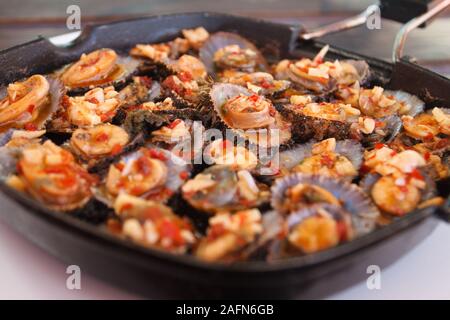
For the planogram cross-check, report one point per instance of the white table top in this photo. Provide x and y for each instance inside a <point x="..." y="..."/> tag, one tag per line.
<point x="27" y="272"/>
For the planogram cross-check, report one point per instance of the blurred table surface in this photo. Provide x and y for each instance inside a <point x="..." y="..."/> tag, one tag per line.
<point x="28" y="272"/>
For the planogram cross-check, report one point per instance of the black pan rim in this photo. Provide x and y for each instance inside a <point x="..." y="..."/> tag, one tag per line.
<point x="84" y="229"/>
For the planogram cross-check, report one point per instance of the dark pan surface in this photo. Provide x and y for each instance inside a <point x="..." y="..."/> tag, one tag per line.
<point x="157" y="274"/>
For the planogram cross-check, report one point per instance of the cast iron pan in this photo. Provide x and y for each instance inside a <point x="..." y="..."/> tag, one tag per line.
<point x="156" y="274"/>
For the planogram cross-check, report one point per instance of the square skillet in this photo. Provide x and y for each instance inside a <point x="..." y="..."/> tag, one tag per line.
<point x="157" y="274"/>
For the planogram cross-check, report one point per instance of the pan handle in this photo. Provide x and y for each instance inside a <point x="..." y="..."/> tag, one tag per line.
<point x="401" y="36"/>
<point x="342" y="25"/>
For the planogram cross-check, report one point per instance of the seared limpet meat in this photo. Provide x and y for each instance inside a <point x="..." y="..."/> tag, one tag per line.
<point x="321" y="120"/>
<point x="188" y="82"/>
<point x="396" y="184"/>
<point x="153" y="224"/>
<point x="434" y="152"/>
<point x="220" y="188"/>
<point x="183" y="86"/>
<point x="189" y="64"/>
<point x="300" y="191"/>
<point x="223" y="152"/>
<point x="156" y="52"/>
<point x="378" y="103"/>
<point x="312" y="120"/>
<point x="50" y="174"/>
<point x="150" y="172"/>
<point x="225" y="50"/>
<point x="96" y="106"/>
<point x="316" y="229"/>
<point x="250" y="115"/>
<point x="100" y="68"/>
<point x="14" y="138"/>
<point x="258" y="82"/>
<point x="328" y="157"/>
<point x="94" y="143"/>
<point x="166" y="104"/>
<point x="229" y="234"/>
<point x="322" y="76"/>
<point x="427" y="126"/>
<point x="30" y="103"/>
<point x="179" y="137"/>
<point x="195" y="37"/>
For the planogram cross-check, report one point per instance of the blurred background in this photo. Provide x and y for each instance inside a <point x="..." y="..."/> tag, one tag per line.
<point x="24" y="20"/>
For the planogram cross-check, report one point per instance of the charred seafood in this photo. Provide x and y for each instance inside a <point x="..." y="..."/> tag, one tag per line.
<point x="275" y="161"/>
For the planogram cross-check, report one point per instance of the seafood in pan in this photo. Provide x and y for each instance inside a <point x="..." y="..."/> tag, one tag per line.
<point x="317" y="155"/>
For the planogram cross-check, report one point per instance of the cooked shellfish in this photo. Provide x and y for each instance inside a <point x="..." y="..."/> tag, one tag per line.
<point x="99" y="68"/>
<point x="51" y="175"/>
<point x="153" y="224"/>
<point x="29" y="104"/>
<point x="219" y="188"/>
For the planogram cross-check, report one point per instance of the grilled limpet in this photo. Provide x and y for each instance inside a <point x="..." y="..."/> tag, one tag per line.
<point x="31" y="103"/>
<point x="249" y="115"/>
<point x="50" y="174"/>
<point x="229" y="234"/>
<point x="99" y="68"/>
<point x="328" y="157"/>
<point x="220" y="188"/>
<point x="97" y="142"/>
<point x="153" y="224"/>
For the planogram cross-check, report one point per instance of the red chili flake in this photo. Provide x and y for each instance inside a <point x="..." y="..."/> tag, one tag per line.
<point x="393" y="153"/>
<point x="364" y="169"/>
<point x="416" y="175"/>
<point x="90" y="178"/>
<point x="342" y="231"/>
<point x="174" y="123"/>
<point x="144" y="165"/>
<point x="137" y="191"/>
<point x="65" y="102"/>
<point x="119" y="166"/>
<point x="265" y="84"/>
<point x="442" y="143"/>
<point x="272" y="111"/>
<point x="101" y="137"/>
<point x="106" y="116"/>
<point x="168" y="192"/>
<point x="403" y="189"/>
<point x="326" y="161"/>
<point x="170" y="230"/>
<point x="146" y="81"/>
<point x="114" y="226"/>
<point x="157" y="155"/>
<point x="427" y="156"/>
<point x="185" y="76"/>
<point x="18" y="167"/>
<point x="31" y="108"/>
<point x="253" y="97"/>
<point x="134" y="107"/>
<point x="93" y="100"/>
<point x="116" y="149"/>
<point x="67" y="178"/>
<point x="126" y="206"/>
<point x="379" y="124"/>
<point x="429" y="136"/>
<point x="30" y="126"/>
<point x="379" y="145"/>
<point x="169" y="82"/>
<point x="152" y="213"/>
<point x="216" y="231"/>
<point x="184" y="175"/>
